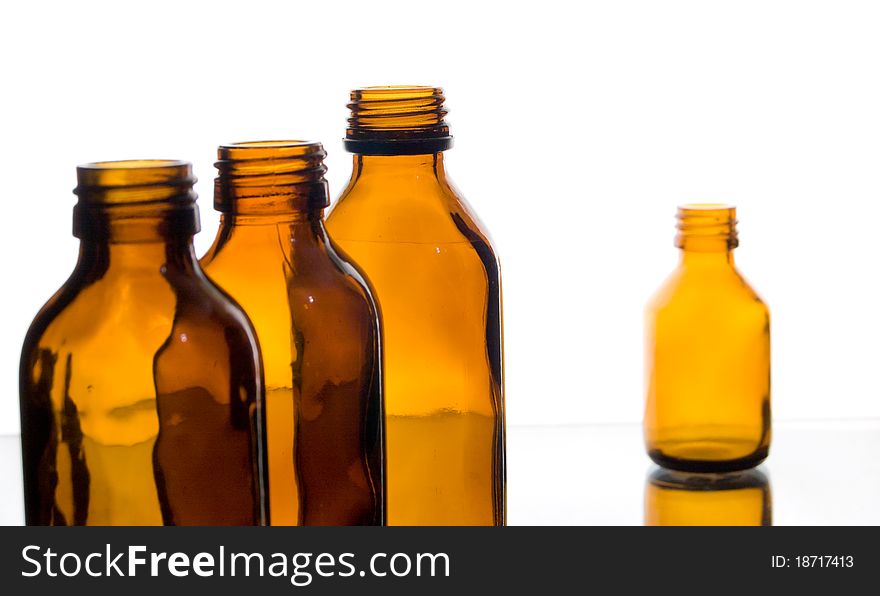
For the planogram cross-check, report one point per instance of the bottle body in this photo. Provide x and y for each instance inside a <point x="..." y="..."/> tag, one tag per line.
<point x="319" y="333"/>
<point x="437" y="280"/>
<point x="731" y="499"/>
<point x="707" y="355"/>
<point x="141" y="385"/>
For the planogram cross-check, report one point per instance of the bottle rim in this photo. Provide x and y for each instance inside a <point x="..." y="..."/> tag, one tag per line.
<point x="135" y="181"/>
<point x="133" y="164"/>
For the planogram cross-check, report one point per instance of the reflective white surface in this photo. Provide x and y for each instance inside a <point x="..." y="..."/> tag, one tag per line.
<point x="819" y="473"/>
<point x="11" y="501"/>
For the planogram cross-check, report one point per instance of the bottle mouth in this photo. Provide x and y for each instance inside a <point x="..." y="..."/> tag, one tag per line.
<point x="135" y="181"/>
<point x="704" y="226"/>
<point x="397" y="120"/>
<point x="287" y="172"/>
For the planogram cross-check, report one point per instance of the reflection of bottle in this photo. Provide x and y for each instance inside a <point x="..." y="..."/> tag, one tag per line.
<point x="141" y="387"/>
<point x="318" y="329"/>
<point x="686" y="499"/>
<point x="708" y="354"/>
<point x="437" y="281"/>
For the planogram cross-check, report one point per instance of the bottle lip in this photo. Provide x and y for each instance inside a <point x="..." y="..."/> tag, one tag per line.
<point x="135" y="181"/>
<point x="270" y="149"/>
<point x="267" y="158"/>
<point x="703" y="207"/>
<point x="134" y="172"/>
<point x="390" y="89"/>
<point x="270" y="143"/>
<point x="132" y="164"/>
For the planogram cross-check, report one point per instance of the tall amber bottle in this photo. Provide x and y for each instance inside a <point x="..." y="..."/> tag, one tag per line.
<point x="318" y="328"/>
<point x="708" y="354"/>
<point x="731" y="499"/>
<point x="141" y="384"/>
<point x="437" y="281"/>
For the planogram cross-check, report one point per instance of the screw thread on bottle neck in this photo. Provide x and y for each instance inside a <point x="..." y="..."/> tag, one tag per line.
<point x="706" y="227"/>
<point x="397" y="120"/>
<point x="135" y="201"/>
<point x="270" y="178"/>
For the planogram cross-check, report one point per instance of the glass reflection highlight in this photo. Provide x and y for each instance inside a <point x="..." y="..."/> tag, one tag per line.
<point x="688" y="499"/>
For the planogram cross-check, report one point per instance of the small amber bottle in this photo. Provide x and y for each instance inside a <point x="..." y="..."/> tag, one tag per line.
<point x="708" y="354"/>
<point x="731" y="499"/>
<point x="141" y="384"/>
<point x="318" y="328"/>
<point x="437" y="281"/>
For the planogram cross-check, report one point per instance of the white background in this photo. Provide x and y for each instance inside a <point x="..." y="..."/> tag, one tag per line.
<point x="579" y="127"/>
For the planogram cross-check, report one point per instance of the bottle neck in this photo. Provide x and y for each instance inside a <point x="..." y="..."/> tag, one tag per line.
<point x="706" y="235"/>
<point x="136" y="224"/>
<point x="270" y="182"/>
<point x="282" y="235"/>
<point x="706" y="258"/>
<point x="427" y="167"/>
<point x="156" y="258"/>
<point x="137" y="216"/>
<point x="313" y="217"/>
<point x="299" y="226"/>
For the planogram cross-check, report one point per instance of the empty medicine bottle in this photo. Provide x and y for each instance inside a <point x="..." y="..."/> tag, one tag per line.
<point x="437" y="281"/>
<point x="318" y="329"/>
<point x="675" y="498"/>
<point x="141" y="384"/>
<point x="707" y="354"/>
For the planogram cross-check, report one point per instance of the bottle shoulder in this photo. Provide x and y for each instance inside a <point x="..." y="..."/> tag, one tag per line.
<point x="140" y="309"/>
<point x="277" y="263"/>
<point x="47" y="315"/>
<point x="704" y="288"/>
<point x="421" y="211"/>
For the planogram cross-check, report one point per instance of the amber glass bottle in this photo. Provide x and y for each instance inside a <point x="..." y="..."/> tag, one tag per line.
<point x="141" y="384"/>
<point x="731" y="499"/>
<point x="318" y="328"/>
<point x="708" y="354"/>
<point x="437" y="281"/>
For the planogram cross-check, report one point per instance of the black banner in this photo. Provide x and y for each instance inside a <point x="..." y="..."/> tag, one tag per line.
<point x="433" y="560"/>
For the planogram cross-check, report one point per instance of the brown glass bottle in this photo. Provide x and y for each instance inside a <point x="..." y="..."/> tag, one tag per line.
<point x="141" y="384"/>
<point x="675" y="498"/>
<point x="707" y="354"/>
<point x="437" y="281"/>
<point x="318" y="329"/>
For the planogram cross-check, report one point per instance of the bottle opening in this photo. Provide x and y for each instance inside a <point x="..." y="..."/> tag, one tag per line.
<point x="135" y="181"/>
<point x="270" y="176"/>
<point x="706" y="226"/>
<point x="397" y="120"/>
